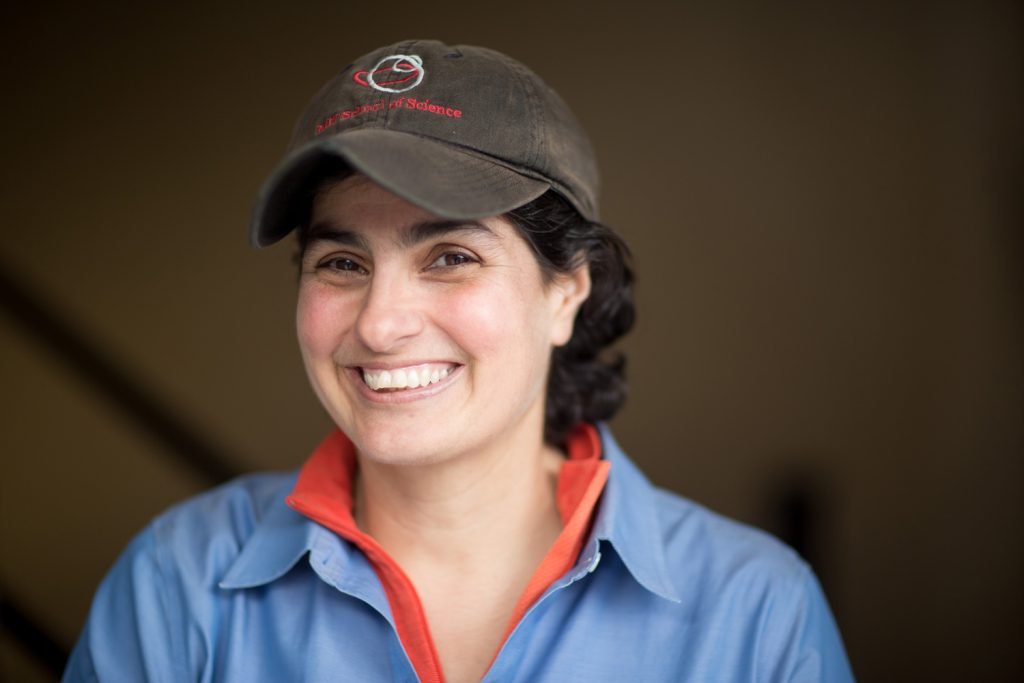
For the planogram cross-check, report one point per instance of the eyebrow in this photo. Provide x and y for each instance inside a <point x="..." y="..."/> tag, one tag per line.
<point x="428" y="230"/>
<point x="417" y="233"/>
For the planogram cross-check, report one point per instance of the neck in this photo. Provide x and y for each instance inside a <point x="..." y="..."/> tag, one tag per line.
<point x="457" y="511"/>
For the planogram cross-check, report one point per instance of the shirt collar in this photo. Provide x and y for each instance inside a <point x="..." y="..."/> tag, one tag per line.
<point x="279" y="540"/>
<point x="628" y="519"/>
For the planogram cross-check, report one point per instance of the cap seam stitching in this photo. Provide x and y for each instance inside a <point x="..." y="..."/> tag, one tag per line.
<point x="518" y="71"/>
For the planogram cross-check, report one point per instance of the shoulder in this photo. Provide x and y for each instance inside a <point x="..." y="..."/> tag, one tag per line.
<point x="142" y="622"/>
<point x="229" y="512"/>
<point x="745" y="593"/>
<point x="687" y="541"/>
<point x="704" y="541"/>
<point x="201" y="537"/>
<point x="744" y="580"/>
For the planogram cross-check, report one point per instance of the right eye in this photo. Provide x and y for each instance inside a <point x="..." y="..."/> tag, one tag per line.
<point x="340" y="264"/>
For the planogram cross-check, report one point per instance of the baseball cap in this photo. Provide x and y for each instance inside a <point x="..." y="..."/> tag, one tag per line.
<point x="463" y="132"/>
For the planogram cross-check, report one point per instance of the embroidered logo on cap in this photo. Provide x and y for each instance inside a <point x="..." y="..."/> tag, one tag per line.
<point x="397" y="73"/>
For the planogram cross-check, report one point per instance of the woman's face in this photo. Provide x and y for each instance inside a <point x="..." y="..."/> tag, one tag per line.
<point x="425" y="338"/>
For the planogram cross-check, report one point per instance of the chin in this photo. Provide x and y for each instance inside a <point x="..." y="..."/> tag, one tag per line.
<point x="394" y="446"/>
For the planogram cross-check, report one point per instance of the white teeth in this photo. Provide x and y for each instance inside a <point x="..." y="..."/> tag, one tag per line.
<point x="406" y="378"/>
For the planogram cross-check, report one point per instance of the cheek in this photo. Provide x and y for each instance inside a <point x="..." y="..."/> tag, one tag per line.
<point x="319" y="321"/>
<point x="505" y="321"/>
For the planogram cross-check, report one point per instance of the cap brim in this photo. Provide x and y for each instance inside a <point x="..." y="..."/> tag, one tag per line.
<point x="442" y="179"/>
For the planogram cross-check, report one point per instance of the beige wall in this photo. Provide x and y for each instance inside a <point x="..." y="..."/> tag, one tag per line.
<point x="824" y="203"/>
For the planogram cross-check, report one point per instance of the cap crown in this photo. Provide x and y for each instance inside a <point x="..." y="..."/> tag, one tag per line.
<point x="473" y="98"/>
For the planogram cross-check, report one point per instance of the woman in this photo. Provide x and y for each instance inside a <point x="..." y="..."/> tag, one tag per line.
<point x="469" y="520"/>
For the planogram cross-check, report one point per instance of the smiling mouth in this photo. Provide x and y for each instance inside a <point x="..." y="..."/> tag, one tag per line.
<point x="412" y="377"/>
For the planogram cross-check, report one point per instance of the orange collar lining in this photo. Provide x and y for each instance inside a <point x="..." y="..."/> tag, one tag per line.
<point x="323" y="493"/>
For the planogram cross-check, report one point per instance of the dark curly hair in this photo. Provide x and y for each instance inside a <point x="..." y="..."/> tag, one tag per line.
<point x="585" y="382"/>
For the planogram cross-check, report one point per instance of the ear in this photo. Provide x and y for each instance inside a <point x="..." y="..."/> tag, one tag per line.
<point x="567" y="292"/>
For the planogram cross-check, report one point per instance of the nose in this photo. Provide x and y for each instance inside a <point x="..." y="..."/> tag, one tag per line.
<point x="390" y="315"/>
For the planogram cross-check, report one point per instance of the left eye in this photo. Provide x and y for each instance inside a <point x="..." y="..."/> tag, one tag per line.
<point x="451" y="259"/>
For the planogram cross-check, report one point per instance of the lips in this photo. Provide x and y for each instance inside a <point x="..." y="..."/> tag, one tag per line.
<point x="407" y="377"/>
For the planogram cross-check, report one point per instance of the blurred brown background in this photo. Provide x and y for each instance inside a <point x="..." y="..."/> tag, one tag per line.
<point x="825" y="204"/>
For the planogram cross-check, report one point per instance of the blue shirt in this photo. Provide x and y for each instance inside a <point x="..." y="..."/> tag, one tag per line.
<point x="233" y="585"/>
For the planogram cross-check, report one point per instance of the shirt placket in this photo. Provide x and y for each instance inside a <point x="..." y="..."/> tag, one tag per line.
<point x="510" y="655"/>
